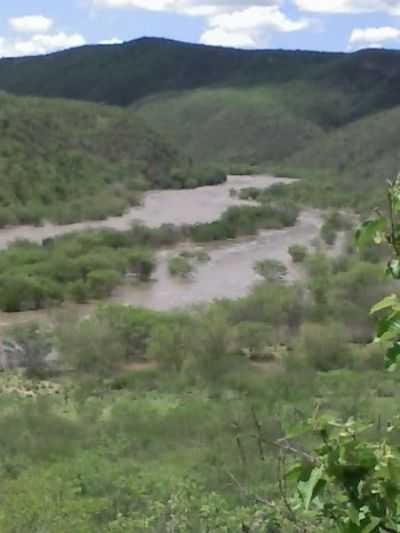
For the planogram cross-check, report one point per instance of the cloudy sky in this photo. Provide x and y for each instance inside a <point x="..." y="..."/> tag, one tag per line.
<point x="41" y="26"/>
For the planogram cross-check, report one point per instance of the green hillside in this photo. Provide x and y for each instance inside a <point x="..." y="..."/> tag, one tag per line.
<point x="230" y="125"/>
<point x="246" y="125"/>
<point x="69" y="160"/>
<point x="352" y="162"/>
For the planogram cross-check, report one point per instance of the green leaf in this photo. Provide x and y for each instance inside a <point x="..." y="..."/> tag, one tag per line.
<point x="392" y="357"/>
<point x="309" y="489"/>
<point x="387" y="303"/>
<point x="389" y="327"/>
<point x="295" y="472"/>
<point x="367" y="232"/>
<point x="373" y="524"/>
<point x="393" y="269"/>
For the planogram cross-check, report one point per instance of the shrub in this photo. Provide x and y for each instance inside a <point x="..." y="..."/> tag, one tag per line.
<point x="328" y="234"/>
<point x="325" y="347"/>
<point x="78" y="291"/>
<point x="298" y="253"/>
<point x="171" y="346"/>
<point x="89" y="346"/>
<point x="141" y="263"/>
<point x="180" y="266"/>
<point x="25" y="293"/>
<point x="101" y="283"/>
<point x="271" y="270"/>
<point x="133" y="326"/>
<point x="252" y="339"/>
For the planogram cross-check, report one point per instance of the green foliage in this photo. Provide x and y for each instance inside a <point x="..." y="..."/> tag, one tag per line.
<point x="298" y="253"/>
<point x="271" y="270"/>
<point x="78" y="266"/>
<point x="245" y="220"/>
<point x="351" y="479"/>
<point x="379" y="230"/>
<point x="325" y="347"/>
<point x="180" y="266"/>
<point x="89" y="346"/>
<point x="69" y="161"/>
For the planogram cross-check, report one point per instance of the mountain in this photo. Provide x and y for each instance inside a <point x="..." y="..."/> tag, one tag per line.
<point x="122" y="74"/>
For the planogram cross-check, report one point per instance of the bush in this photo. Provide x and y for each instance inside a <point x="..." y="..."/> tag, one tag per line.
<point x="101" y="283"/>
<point x="133" y="326"/>
<point x="24" y="293"/>
<point x="89" y="346"/>
<point x="325" y="347"/>
<point x="141" y="263"/>
<point x="271" y="270"/>
<point x="298" y="253"/>
<point x="180" y="266"/>
<point x="328" y="234"/>
<point x="252" y="339"/>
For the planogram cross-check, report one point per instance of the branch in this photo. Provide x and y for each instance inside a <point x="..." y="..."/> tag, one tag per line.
<point x="284" y="444"/>
<point x="260" y="437"/>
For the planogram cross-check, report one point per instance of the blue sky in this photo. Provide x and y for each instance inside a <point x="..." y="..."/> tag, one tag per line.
<point x="41" y="26"/>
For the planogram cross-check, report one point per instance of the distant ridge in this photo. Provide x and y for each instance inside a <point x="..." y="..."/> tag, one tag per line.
<point x="122" y="74"/>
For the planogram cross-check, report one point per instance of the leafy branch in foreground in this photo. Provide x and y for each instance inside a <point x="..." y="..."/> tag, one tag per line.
<point x="385" y="229"/>
<point x="353" y="483"/>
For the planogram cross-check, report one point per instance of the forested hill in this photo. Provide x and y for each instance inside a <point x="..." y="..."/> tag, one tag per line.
<point x="77" y="160"/>
<point x="123" y="74"/>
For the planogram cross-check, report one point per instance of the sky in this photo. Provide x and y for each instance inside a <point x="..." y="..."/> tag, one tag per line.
<point x="29" y="27"/>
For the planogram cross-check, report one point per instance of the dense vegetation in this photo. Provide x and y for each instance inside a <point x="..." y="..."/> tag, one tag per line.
<point x="167" y="421"/>
<point x="70" y="161"/>
<point x="77" y="267"/>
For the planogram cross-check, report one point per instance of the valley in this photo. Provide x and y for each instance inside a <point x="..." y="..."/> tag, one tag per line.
<point x="191" y="241"/>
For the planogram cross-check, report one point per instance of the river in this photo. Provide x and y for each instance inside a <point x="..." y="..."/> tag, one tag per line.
<point x="230" y="271"/>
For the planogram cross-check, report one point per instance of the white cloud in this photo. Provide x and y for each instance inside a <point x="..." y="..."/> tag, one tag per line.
<point x="30" y="24"/>
<point x="256" y="17"/>
<point x="391" y="7"/>
<point x="40" y="44"/>
<point x="221" y="37"/>
<point x="238" y="23"/>
<point x="186" y="7"/>
<point x="376" y="36"/>
<point x="246" y="27"/>
<point x="113" y="40"/>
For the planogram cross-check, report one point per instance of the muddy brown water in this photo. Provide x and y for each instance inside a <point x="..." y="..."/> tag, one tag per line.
<point x="230" y="271"/>
<point x="190" y="206"/>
